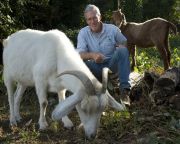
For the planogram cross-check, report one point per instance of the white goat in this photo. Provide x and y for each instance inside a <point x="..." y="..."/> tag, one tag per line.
<point x="35" y="58"/>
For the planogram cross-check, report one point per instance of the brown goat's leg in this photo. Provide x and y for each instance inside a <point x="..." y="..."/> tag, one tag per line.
<point x="168" y="52"/>
<point x="132" y="50"/>
<point x="164" y="55"/>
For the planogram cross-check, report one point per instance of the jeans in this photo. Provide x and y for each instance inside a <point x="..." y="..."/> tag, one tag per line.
<point x="118" y="63"/>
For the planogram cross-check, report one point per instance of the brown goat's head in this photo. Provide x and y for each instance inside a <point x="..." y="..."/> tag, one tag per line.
<point x="118" y="18"/>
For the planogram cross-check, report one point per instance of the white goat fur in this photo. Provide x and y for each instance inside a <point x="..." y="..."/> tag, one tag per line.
<point x="35" y="58"/>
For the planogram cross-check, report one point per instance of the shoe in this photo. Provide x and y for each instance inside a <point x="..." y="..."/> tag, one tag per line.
<point x="124" y="97"/>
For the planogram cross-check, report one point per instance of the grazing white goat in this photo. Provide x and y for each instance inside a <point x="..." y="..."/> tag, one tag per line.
<point x="48" y="61"/>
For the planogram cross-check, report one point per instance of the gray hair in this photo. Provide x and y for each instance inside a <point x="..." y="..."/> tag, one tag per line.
<point x="91" y="7"/>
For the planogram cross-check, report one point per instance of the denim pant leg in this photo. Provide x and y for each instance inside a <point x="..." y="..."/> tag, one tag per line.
<point x="96" y="68"/>
<point x="120" y="63"/>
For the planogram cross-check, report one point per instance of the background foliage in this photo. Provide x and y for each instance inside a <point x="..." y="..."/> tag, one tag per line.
<point x="49" y="14"/>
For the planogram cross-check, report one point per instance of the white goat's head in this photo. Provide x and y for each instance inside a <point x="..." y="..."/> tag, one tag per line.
<point x="89" y="101"/>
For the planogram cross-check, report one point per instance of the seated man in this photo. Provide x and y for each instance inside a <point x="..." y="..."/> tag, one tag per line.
<point x="103" y="45"/>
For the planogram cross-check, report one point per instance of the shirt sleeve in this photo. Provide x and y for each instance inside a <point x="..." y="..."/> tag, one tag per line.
<point x="81" y="42"/>
<point x="120" y="38"/>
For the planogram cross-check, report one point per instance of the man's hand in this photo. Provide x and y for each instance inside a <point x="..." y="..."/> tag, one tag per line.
<point x="98" y="57"/>
<point x="120" y="46"/>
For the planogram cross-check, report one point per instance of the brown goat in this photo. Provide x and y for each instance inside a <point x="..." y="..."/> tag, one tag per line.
<point x="153" y="32"/>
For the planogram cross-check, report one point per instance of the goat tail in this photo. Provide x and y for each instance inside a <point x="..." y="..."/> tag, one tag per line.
<point x="173" y="27"/>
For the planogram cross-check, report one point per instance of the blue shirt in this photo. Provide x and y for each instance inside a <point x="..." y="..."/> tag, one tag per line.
<point x="104" y="42"/>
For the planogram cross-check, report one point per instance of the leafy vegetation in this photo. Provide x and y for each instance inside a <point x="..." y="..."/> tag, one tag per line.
<point x="50" y="14"/>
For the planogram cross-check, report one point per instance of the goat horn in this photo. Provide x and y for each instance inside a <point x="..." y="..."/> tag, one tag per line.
<point x="89" y="87"/>
<point x="105" y="79"/>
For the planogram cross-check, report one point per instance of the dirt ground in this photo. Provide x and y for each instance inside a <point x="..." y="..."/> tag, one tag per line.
<point x="27" y="131"/>
<point x="141" y="124"/>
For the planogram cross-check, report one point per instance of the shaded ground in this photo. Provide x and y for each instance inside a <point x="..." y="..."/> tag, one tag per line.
<point x="142" y="124"/>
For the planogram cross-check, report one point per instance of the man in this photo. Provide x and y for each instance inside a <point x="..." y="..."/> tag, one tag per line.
<point x="103" y="45"/>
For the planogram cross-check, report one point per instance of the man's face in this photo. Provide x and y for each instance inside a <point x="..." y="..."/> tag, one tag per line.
<point x="93" y="20"/>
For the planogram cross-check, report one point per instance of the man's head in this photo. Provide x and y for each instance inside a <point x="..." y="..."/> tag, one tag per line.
<point x="93" y="17"/>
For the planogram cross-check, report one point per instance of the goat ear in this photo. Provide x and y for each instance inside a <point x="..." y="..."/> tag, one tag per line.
<point x="114" y="104"/>
<point x="66" y="106"/>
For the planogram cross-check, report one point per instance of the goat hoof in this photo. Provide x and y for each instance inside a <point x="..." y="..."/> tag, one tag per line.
<point x="69" y="125"/>
<point x="81" y="126"/>
<point x="70" y="128"/>
<point x="18" y="119"/>
<point x="13" y="123"/>
<point x="43" y="126"/>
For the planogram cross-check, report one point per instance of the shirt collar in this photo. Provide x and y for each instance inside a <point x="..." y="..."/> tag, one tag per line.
<point x="103" y="28"/>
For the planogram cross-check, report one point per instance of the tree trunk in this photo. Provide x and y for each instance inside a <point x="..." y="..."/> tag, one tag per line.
<point x="166" y="86"/>
<point x="170" y="78"/>
<point x="119" y="4"/>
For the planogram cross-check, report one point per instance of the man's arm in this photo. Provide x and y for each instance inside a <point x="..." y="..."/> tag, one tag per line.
<point x="97" y="57"/>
